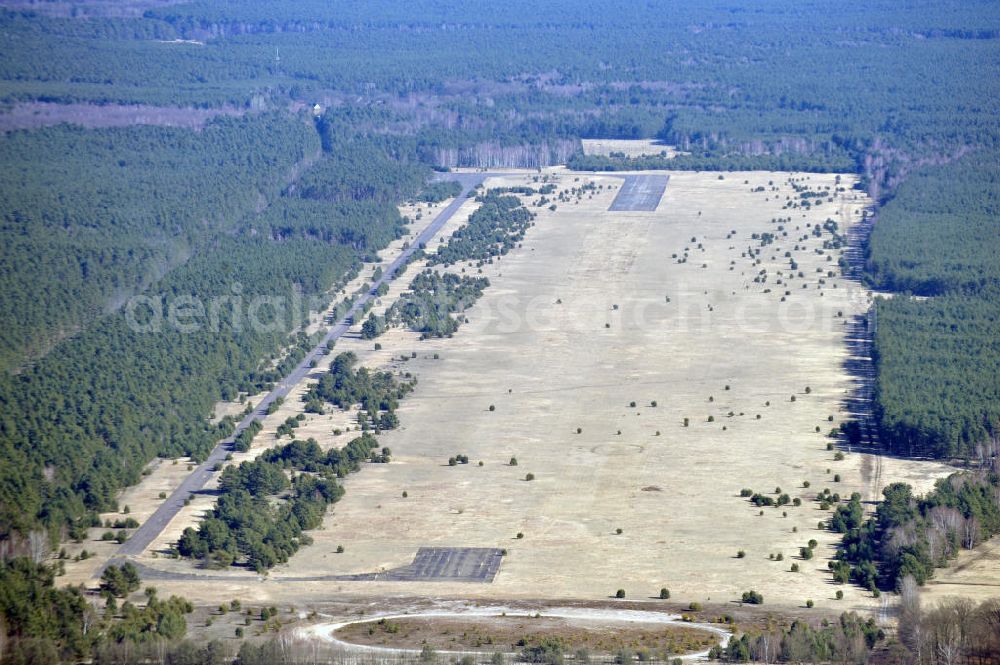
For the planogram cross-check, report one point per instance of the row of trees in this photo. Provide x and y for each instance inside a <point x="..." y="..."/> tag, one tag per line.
<point x="430" y="305"/>
<point x="496" y="227"/>
<point x="261" y="515"/>
<point x="848" y="640"/>
<point x="952" y="632"/>
<point x="377" y="393"/>
<point x="819" y="161"/>
<point x="438" y="191"/>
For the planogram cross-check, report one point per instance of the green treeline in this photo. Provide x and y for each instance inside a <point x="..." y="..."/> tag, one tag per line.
<point x="245" y="526"/>
<point x="436" y="192"/>
<point x="938" y="359"/>
<point x="487" y="85"/>
<point x="87" y="218"/>
<point x="911" y="536"/>
<point x="496" y="227"/>
<point x="940" y="232"/>
<point x="820" y="161"/>
<point x="432" y="299"/>
<point x="33" y="608"/>
<point x="938" y="381"/>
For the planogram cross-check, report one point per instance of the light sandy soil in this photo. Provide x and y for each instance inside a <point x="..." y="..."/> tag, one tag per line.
<point x="552" y="368"/>
<point x="974" y="574"/>
<point x="630" y="148"/>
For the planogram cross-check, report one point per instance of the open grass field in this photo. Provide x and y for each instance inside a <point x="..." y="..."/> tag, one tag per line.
<point x="599" y="315"/>
<point x="547" y="347"/>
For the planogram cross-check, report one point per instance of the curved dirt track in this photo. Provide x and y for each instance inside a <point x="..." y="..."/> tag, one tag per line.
<point x="325" y="631"/>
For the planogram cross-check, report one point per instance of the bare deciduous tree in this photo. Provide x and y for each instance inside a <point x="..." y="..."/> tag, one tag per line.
<point x="38" y="546"/>
<point x="972" y="533"/>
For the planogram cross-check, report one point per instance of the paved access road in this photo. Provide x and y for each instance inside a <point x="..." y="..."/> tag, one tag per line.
<point x="640" y="193"/>
<point x="158" y="521"/>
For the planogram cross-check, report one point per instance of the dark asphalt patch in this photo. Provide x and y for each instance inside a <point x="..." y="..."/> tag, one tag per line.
<point x="640" y="193"/>
<point x="441" y="564"/>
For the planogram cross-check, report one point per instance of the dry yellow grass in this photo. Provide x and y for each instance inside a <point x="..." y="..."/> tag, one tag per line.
<point x="548" y="348"/>
<point x="552" y="368"/>
<point x="974" y="574"/>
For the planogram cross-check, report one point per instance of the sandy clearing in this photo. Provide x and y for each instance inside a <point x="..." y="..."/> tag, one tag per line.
<point x="630" y="148"/>
<point x="566" y="370"/>
<point x="550" y="368"/>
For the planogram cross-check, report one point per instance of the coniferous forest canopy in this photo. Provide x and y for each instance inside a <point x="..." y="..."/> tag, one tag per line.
<point x="270" y="200"/>
<point x="938" y="357"/>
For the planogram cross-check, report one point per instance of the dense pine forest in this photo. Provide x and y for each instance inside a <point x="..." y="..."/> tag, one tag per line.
<point x="938" y="353"/>
<point x="275" y="198"/>
<point x="81" y="421"/>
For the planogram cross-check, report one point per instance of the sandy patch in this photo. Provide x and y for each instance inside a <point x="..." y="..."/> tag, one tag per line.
<point x="630" y="148"/>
